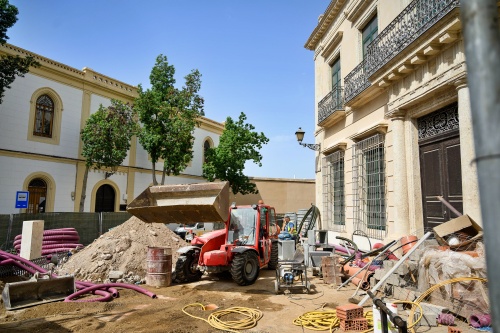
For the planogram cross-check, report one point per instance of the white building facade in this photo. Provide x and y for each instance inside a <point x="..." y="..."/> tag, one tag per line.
<point x="393" y="117"/>
<point x="41" y="119"/>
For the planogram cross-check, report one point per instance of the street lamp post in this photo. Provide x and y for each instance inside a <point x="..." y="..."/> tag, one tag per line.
<point x="300" y="136"/>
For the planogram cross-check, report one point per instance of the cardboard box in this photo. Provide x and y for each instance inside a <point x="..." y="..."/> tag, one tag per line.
<point x="463" y="227"/>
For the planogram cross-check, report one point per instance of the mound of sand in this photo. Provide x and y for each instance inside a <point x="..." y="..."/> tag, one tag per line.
<point x="123" y="248"/>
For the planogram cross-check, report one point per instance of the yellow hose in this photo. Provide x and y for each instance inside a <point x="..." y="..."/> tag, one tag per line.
<point x="324" y="320"/>
<point x="252" y="316"/>
<point x="414" y="304"/>
<point x="431" y="290"/>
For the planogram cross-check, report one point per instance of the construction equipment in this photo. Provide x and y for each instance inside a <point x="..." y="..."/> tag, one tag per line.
<point x="292" y="274"/>
<point x="40" y="289"/>
<point x="242" y="248"/>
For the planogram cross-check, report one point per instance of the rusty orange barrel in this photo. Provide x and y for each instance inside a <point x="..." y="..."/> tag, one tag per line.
<point x="159" y="270"/>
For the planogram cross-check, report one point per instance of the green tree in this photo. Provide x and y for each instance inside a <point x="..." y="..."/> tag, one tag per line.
<point x="106" y="138"/>
<point x="168" y="116"/>
<point x="237" y="145"/>
<point x="10" y="66"/>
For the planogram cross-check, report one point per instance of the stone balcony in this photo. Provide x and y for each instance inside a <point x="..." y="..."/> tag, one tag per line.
<point x="331" y="107"/>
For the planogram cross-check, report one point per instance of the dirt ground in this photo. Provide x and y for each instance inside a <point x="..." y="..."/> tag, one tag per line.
<point x="134" y="312"/>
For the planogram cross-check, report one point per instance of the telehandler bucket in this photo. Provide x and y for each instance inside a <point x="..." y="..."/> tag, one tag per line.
<point x="186" y="203"/>
<point x="37" y="291"/>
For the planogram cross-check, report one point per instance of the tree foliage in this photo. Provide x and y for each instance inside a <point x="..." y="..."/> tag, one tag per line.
<point x="237" y="145"/>
<point x="168" y="116"/>
<point x="106" y="138"/>
<point x="10" y="66"/>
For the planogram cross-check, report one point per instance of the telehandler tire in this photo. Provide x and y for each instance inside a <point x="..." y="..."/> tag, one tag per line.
<point x="245" y="268"/>
<point x="186" y="268"/>
<point x="273" y="261"/>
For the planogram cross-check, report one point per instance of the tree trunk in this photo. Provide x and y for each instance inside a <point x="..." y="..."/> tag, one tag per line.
<point x="154" y="174"/>
<point x="84" y="189"/>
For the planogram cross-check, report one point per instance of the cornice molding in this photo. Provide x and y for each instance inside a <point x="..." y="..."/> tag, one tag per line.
<point x="86" y="75"/>
<point x="362" y="134"/>
<point x="334" y="8"/>
<point x="211" y="125"/>
<point x="336" y="146"/>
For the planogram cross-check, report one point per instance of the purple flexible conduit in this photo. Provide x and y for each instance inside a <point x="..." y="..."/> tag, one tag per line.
<point x="54" y="232"/>
<point x="85" y="287"/>
<point x="107" y="285"/>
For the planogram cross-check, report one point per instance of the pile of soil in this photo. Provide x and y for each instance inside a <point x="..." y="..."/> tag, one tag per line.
<point x="123" y="248"/>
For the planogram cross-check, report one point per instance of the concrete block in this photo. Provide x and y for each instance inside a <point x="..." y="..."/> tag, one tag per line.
<point x="432" y="308"/>
<point x="388" y="264"/>
<point x="379" y="274"/>
<point x="115" y="275"/>
<point x="32" y="238"/>
<point x="402" y="269"/>
<point x="428" y="319"/>
<point x="405" y="294"/>
<point x="395" y="280"/>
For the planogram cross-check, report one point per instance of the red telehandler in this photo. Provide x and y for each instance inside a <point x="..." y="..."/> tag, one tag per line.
<point x="242" y="248"/>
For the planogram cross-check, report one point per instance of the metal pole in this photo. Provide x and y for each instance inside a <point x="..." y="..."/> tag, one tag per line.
<point x="482" y="49"/>
<point x="395" y="267"/>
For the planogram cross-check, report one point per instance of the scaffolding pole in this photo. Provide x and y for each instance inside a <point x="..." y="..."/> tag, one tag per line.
<point x="482" y="51"/>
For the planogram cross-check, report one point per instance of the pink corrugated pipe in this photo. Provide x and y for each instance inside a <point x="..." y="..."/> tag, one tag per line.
<point x="107" y="285"/>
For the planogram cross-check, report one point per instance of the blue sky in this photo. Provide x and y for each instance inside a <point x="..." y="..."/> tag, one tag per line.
<point x="250" y="53"/>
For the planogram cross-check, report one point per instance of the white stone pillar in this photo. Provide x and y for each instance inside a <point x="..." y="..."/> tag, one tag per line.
<point x="400" y="184"/>
<point x="470" y="188"/>
<point x="32" y="237"/>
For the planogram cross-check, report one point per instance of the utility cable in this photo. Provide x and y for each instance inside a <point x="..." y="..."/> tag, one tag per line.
<point x="252" y="316"/>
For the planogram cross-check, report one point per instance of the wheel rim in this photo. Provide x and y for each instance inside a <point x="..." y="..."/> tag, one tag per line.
<point x="249" y="267"/>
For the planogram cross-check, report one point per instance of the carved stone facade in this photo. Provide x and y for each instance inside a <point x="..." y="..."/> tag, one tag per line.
<point x="401" y="92"/>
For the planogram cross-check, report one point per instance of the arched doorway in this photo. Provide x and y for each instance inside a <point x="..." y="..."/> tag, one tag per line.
<point x="38" y="195"/>
<point x="105" y="199"/>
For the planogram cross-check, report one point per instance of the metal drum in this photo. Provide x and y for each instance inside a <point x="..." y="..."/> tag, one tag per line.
<point x="159" y="271"/>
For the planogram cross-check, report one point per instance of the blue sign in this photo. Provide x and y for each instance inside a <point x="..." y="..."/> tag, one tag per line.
<point x="22" y="198"/>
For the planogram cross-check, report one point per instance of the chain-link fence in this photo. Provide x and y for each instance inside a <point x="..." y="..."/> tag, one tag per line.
<point x="89" y="225"/>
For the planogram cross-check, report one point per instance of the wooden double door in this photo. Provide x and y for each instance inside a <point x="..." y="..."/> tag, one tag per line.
<point x="441" y="175"/>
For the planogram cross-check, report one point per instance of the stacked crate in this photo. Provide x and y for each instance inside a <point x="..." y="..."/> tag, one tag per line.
<point x="351" y="318"/>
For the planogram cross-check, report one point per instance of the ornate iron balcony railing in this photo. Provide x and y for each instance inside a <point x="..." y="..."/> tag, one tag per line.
<point x="356" y="81"/>
<point x="332" y="102"/>
<point x="410" y="24"/>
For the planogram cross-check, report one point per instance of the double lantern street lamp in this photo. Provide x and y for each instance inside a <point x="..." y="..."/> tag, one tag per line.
<point x="300" y="136"/>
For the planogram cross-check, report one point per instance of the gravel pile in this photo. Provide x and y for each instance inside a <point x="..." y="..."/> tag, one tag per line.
<point x="123" y="250"/>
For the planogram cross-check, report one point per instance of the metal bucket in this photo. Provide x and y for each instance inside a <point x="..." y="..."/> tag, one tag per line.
<point x="159" y="270"/>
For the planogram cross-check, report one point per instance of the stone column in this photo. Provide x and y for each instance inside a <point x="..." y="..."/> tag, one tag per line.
<point x="470" y="188"/>
<point x="400" y="183"/>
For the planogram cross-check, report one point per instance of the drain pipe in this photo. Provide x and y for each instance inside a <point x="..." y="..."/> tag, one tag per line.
<point x="482" y="54"/>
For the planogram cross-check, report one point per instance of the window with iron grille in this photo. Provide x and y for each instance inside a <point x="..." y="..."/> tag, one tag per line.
<point x="369" y="186"/>
<point x="333" y="190"/>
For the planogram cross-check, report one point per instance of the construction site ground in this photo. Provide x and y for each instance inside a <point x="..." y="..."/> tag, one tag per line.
<point x="134" y="312"/>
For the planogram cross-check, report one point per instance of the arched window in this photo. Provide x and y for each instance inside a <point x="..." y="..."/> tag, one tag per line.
<point x="44" y="116"/>
<point x="206" y="146"/>
<point x="38" y="195"/>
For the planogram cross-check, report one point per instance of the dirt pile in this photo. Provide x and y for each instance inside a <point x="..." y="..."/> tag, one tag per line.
<point x="122" y="249"/>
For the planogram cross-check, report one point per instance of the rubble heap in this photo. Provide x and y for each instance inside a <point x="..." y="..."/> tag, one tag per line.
<point x="122" y="249"/>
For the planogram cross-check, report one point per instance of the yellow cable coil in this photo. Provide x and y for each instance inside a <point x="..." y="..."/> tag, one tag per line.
<point x="252" y="316"/>
<point x="432" y="289"/>
<point x="324" y="320"/>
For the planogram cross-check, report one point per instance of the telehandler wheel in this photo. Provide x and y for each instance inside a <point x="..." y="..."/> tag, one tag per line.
<point x="273" y="262"/>
<point x="186" y="268"/>
<point x="245" y="268"/>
